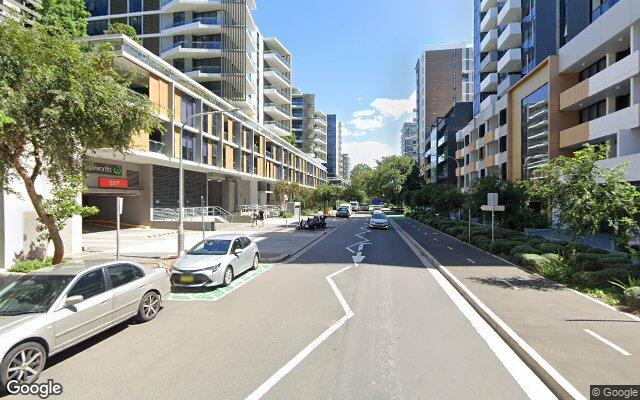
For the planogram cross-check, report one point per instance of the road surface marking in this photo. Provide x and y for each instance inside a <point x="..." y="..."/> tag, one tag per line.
<point x="608" y="343"/>
<point x="289" y="366"/>
<point x="449" y="247"/>
<point x="435" y="239"/>
<point x="471" y="261"/>
<point x="218" y="293"/>
<point x="508" y="284"/>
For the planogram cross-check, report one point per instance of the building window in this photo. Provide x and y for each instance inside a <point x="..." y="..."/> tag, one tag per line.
<point x="97" y="7"/>
<point x="482" y="130"/>
<point x="593" y="69"/>
<point x="503" y="117"/>
<point x="623" y="101"/>
<point x="622" y="54"/>
<point x="593" y="111"/>
<point x="503" y="144"/>
<point x="481" y="153"/>
<point x="188" y="145"/>
<point x="564" y="32"/>
<point x="535" y="131"/>
<point x="135" y="6"/>
<point x="97" y="27"/>
<point x="599" y="7"/>
<point x="136" y="23"/>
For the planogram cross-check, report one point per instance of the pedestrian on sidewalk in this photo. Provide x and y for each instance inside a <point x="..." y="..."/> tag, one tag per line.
<point x="254" y="218"/>
<point x="261" y="217"/>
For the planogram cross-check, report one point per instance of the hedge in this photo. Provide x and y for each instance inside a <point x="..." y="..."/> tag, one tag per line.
<point x="599" y="278"/>
<point x="524" y="248"/>
<point x="534" y="261"/>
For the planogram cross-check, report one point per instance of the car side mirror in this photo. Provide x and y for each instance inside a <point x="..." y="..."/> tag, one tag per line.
<point x="237" y="252"/>
<point x="73" y="300"/>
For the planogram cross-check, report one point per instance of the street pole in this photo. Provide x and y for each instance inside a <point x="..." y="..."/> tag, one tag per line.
<point x="118" y="211"/>
<point x="493" y="213"/>
<point x="469" y="232"/>
<point x="202" y="209"/>
<point x="181" y="177"/>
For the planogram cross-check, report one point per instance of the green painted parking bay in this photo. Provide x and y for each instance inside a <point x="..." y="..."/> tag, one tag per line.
<point x="216" y="294"/>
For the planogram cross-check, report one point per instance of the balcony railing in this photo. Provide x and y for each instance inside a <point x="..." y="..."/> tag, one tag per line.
<point x="281" y="91"/>
<point x="207" y="69"/>
<point x="202" y="20"/>
<point x="279" y="107"/>
<point x="280" y="74"/>
<point x="278" y="56"/>
<point x="198" y="45"/>
<point x="278" y="124"/>
<point x="156" y="147"/>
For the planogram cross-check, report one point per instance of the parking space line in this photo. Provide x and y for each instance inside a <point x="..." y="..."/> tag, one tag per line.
<point x="471" y="261"/>
<point x="218" y="293"/>
<point x="291" y="364"/>
<point x="608" y="343"/>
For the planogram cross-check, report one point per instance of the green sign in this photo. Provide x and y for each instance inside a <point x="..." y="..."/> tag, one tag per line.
<point x="103" y="169"/>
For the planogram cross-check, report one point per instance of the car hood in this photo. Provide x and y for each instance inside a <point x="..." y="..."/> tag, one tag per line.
<point x="194" y="263"/>
<point x="11" y="322"/>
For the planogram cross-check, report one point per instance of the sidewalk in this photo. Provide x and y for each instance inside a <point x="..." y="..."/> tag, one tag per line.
<point x="275" y="240"/>
<point x="558" y="332"/>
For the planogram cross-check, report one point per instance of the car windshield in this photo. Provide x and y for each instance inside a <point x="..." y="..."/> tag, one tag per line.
<point x="32" y="294"/>
<point x="214" y="247"/>
<point x="379" y="216"/>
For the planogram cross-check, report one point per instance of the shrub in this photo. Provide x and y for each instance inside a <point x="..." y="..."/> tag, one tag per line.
<point x="285" y="214"/>
<point x="552" y="257"/>
<point x="524" y="248"/>
<point x="632" y="296"/>
<point x="548" y="247"/>
<point x="536" y="241"/>
<point x="26" y="266"/>
<point x="597" y="261"/>
<point x="535" y="261"/>
<point x="478" y="240"/>
<point x="455" y="230"/>
<point x="501" y="246"/>
<point x="598" y="278"/>
<point x="559" y="268"/>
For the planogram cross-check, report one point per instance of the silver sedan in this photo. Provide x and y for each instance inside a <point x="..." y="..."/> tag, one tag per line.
<point x="216" y="261"/>
<point x="47" y="311"/>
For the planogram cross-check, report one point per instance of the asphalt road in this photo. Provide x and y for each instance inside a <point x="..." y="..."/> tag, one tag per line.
<point x="287" y="335"/>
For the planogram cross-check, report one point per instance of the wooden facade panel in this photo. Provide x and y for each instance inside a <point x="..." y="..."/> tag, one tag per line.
<point x="140" y="141"/>
<point x="177" y="106"/>
<point x="177" y="142"/>
<point x="228" y="157"/>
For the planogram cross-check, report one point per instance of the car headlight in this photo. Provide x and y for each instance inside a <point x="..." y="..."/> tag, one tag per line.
<point x="215" y="267"/>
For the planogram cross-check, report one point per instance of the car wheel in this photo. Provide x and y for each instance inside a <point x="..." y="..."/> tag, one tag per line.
<point x="228" y="276"/>
<point x="23" y="363"/>
<point x="149" y="307"/>
<point x="256" y="262"/>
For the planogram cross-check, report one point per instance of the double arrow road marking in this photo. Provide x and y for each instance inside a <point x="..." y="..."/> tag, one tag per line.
<point x="358" y="257"/>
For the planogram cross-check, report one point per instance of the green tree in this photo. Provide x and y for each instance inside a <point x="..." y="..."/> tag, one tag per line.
<point x="353" y="193"/>
<point x="65" y="16"/>
<point x="66" y="100"/>
<point x="360" y="176"/>
<point x="291" y="139"/>
<point x="119" y="27"/>
<point x="584" y="195"/>
<point x="414" y="181"/>
<point x="388" y="177"/>
<point x="327" y="194"/>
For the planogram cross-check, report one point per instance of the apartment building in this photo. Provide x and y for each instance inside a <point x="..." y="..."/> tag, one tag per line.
<point x="334" y="148"/>
<point x="444" y="76"/>
<point x="599" y="58"/>
<point x="229" y="159"/>
<point x="345" y="160"/>
<point x="409" y="140"/>
<point x="511" y="39"/>
<point x="320" y="136"/>
<point x="440" y="164"/>
<point x="309" y="125"/>
<point x="26" y="10"/>
<point x="216" y="43"/>
<point x="277" y="86"/>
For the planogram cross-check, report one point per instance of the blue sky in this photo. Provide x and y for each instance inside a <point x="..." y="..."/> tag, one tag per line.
<point x="359" y="57"/>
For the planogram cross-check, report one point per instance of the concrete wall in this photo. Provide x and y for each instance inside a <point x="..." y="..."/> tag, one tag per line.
<point x="18" y="222"/>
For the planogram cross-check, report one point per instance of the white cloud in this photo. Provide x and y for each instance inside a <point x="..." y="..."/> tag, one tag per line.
<point x="367" y="124"/>
<point x="395" y="107"/>
<point x="366" y="152"/>
<point x="346" y="132"/>
<point x="363" y="113"/>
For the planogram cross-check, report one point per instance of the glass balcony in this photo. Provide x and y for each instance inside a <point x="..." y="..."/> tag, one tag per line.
<point x="202" y="20"/>
<point x="278" y="56"/>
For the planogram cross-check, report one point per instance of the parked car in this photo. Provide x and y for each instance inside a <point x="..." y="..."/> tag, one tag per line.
<point x="378" y="220"/>
<point x="216" y="261"/>
<point x="347" y="205"/>
<point x="343" y="212"/>
<point x="52" y="309"/>
<point x="355" y="206"/>
<point x="364" y="207"/>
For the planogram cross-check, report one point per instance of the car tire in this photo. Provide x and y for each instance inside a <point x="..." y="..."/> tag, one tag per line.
<point x="31" y="351"/>
<point x="149" y="307"/>
<point x="256" y="262"/>
<point x="228" y="276"/>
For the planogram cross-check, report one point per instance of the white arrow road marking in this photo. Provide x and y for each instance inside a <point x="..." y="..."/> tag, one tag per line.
<point x="356" y="244"/>
<point x="289" y="366"/>
<point x="608" y="343"/>
<point x="357" y="259"/>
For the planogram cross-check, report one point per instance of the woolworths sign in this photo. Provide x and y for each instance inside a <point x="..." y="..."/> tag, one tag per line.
<point x="103" y="169"/>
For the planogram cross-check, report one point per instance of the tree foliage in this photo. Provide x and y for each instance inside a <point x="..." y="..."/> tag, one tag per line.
<point x="388" y="178"/>
<point x="291" y="139"/>
<point x="583" y="195"/>
<point x="64" y="100"/>
<point x="65" y="17"/>
<point x="441" y="198"/>
<point x="119" y="27"/>
<point x="353" y="193"/>
<point x="360" y="176"/>
<point x="327" y="195"/>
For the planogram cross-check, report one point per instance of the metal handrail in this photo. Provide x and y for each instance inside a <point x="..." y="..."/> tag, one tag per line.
<point x="278" y="55"/>
<point x="191" y="213"/>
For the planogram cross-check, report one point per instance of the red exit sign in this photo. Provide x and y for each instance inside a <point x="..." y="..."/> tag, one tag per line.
<point x="113" y="183"/>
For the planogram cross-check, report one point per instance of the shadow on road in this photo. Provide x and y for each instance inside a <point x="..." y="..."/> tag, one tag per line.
<point x="520" y="283"/>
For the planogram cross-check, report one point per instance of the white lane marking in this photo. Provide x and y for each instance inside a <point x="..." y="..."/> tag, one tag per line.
<point x="435" y="239"/>
<point x="608" y="343"/>
<point x="471" y="261"/>
<point x="508" y="284"/>
<point x="523" y="375"/>
<point x="449" y="247"/>
<point x="291" y="364"/>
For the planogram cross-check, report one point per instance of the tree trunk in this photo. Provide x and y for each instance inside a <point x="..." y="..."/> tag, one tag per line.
<point x="47" y="221"/>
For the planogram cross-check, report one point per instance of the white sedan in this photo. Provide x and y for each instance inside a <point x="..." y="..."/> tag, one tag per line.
<point x="215" y="261"/>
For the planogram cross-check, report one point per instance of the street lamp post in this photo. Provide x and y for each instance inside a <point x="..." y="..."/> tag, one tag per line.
<point x="181" y="176"/>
